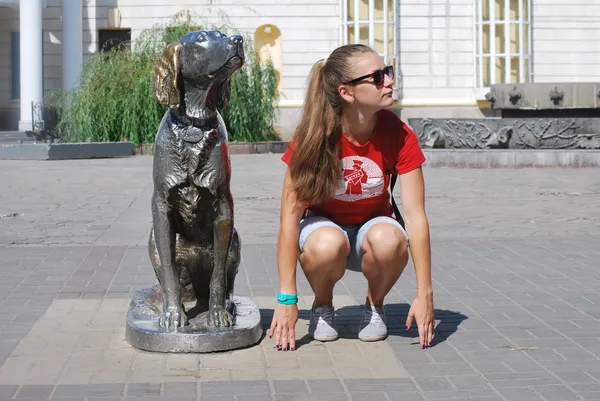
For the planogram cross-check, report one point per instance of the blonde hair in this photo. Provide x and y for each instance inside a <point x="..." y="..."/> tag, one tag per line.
<point x="314" y="166"/>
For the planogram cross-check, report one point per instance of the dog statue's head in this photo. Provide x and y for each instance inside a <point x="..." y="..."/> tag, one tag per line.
<point x="194" y="74"/>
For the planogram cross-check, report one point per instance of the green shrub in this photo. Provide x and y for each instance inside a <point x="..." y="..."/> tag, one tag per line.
<point x="115" y="99"/>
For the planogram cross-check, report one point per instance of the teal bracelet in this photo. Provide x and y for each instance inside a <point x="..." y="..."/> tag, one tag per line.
<point x="287" y="299"/>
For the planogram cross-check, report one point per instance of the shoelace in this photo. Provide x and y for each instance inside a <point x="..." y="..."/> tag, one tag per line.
<point x="374" y="316"/>
<point x="323" y="313"/>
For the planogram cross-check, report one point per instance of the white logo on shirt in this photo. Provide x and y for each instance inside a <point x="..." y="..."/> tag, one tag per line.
<point x="361" y="179"/>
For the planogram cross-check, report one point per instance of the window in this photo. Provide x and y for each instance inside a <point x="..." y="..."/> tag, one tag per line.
<point x="15" y="66"/>
<point x="373" y="23"/>
<point x="503" y="42"/>
<point x="113" y="38"/>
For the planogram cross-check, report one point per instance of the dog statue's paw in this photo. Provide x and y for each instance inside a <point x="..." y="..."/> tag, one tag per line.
<point x="173" y="318"/>
<point x="219" y="317"/>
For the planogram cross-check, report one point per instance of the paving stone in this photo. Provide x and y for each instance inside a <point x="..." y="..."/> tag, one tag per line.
<point x="104" y="399"/>
<point x="236" y="388"/>
<point x="589" y="395"/>
<point x="312" y="397"/>
<point x="143" y="389"/>
<point x="7" y="392"/>
<point x="176" y="389"/>
<point x="403" y="396"/>
<point x="325" y="386"/>
<point x="215" y="398"/>
<point x="91" y="390"/>
<point x="520" y="393"/>
<point x="359" y="385"/>
<point x="586" y="387"/>
<point x="556" y="393"/>
<point x="34" y="391"/>
<point x="462" y="394"/>
<point x="434" y="383"/>
<point x="152" y="398"/>
<point x="440" y="369"/>
<point x="368" y="396"/>
<point x="290" y="386"/>
<point x="68" y="399"/>
<point x="468" y="382"/>
<point x="255" y="397"/>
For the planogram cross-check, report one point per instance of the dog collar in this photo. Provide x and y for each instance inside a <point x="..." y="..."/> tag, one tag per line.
<point x="185" y="120"/>
<point x="191" y="133"/>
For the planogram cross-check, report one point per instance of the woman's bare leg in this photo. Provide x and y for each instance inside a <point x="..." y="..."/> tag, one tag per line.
<point x="385" y="257"/>
<point x="323" y="261"/>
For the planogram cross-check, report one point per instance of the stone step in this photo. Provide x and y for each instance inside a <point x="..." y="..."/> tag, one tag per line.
<point x="7" y="137"/>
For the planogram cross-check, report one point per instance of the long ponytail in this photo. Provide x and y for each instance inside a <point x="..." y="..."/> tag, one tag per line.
<point x="314" y="167"/>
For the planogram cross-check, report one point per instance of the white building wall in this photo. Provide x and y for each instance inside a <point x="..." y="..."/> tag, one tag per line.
<point x="9" y="22"/>
<point x="436" y="45"/>
<point x="52" y="45"/>
<point x="566" y="40"/>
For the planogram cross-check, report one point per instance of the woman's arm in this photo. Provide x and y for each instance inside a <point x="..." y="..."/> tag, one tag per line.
<point x="417" y="227"/>
<point x="287" y="242"/>
<point x="283" y="325"/>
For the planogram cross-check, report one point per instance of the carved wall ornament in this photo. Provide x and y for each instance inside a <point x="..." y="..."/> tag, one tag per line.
<point x="556" y="96"/>
<point x="515" y="95"/>
<point x="508" y="133"/>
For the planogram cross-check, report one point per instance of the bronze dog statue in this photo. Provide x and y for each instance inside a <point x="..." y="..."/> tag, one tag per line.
<point x="194" y="246"/>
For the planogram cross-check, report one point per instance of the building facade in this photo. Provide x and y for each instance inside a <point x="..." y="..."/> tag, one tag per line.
<point x="447" y="53"/>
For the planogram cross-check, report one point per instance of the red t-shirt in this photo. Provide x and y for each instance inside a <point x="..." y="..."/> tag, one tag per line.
<point x="363" y="192"/>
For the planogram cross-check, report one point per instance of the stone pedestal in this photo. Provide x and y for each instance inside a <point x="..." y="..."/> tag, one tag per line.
<point x="144" y="333"/>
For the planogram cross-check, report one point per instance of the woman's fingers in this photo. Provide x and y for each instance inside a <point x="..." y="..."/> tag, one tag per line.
<point x="431" y="331"/>
<point x="284" y="336"/>
<point x="428" y="335"/>
<point x="422" y="334"/>
<point x="272" y="328"/>
<point x="278" y="335"/>
<point x="292" y="334"/>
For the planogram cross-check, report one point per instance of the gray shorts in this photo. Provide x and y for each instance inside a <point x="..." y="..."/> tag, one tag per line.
<point x="354" y="233"/>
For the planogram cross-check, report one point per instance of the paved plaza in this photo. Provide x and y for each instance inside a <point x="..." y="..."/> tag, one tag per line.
<point x="516" y="271"/>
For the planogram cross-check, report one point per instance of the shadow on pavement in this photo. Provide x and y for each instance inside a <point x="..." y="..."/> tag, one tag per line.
<point x="348" y="320"/>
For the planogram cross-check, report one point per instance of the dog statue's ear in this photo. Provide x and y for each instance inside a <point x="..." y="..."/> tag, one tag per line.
<point x="222" y="95"/>
<point x="166" y="76"/>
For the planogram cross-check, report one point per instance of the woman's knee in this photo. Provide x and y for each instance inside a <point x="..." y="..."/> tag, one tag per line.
<point x="325" y="245"/>
<point x="385" y="242"/>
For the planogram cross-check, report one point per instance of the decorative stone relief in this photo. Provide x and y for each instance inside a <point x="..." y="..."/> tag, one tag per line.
<point x="519" y="133"/>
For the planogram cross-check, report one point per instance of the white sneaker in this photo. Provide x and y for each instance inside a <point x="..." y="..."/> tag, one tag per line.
<point x="372" y="325"/>
<point x="322" y="323"/>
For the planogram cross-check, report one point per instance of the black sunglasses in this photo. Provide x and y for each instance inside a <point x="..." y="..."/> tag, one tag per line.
<point x="378" y="76"/>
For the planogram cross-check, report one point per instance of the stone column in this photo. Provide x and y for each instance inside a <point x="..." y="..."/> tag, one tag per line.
<point x="72" y="48"/>
<point x="32" y="59"/>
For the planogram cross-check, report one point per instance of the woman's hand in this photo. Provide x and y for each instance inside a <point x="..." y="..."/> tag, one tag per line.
<point x="283" y="326"/>
<point x="421" y="310"/>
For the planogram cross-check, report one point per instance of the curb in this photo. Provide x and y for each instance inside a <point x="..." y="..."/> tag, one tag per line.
<point x="458" y="158"/>
<point x="235" y="148"/>
<point x="454" y="158"/>
<point x="65" y="151"/>
<point x="511" y="158"/>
